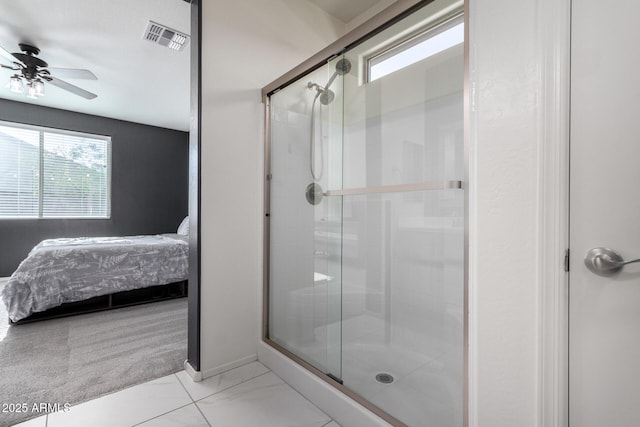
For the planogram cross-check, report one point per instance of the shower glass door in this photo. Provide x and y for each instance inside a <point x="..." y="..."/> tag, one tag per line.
<point x="305" y="270"/>
<point x="367" y="218"/>
<point x="403" y="219"/>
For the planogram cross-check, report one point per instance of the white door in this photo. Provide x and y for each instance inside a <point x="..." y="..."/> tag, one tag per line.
<point x="604" y="311"/>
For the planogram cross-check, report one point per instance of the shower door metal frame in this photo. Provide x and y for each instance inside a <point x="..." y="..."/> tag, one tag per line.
<point x="381" y="21"/>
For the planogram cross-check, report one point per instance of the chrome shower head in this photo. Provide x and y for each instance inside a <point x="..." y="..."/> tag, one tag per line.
<point x="326" y="95"/>
<point x="343" y="66"/>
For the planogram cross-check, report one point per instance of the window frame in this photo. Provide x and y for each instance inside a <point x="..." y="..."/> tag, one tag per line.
<point x="424" y="33"/>
<point x="47" y="129"/>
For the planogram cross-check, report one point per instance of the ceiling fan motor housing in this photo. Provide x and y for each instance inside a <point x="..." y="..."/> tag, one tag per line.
<point x="29" y="49"/>
<point x="31" y="62"/>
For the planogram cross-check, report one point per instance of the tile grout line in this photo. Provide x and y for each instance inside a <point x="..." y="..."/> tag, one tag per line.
<point x="304" y="397"/>
<point x="194" y="402"/>
<point x="206" y="420"/>
<point x="185" y="388"/>
<point x="183" y="406"/>
<point x="160" y="415"/>
<point x="202" y="413"/>
<point x="329" y="421"/>
<point x="168" y="412"/>
<point x="235" y="385"/>
<point x="310" y="402"/>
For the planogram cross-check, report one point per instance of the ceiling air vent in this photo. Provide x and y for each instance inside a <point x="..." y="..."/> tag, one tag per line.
<point x="165" y="36"/>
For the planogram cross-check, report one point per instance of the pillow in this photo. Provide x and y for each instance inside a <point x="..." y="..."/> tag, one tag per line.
<point x="183" y="228"/>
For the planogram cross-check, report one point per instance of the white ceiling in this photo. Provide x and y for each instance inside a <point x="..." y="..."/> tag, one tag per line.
<point x="137" y="81"/>
<point x="345" y="10"/>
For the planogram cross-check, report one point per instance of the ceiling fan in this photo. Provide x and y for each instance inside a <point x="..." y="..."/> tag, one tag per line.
<point x="34" y="71"/>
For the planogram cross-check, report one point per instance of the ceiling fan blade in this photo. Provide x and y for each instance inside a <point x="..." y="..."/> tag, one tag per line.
<point x="14" y="68"/>
<point x="9" y="56"/>
<point x="71" y="88"/>
<point x="72" y="73"/>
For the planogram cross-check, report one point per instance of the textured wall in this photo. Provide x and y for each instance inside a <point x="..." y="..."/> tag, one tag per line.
<point x="245" y="46"/>
<point x="149" y="182"/>
<point x="504" y="208"/>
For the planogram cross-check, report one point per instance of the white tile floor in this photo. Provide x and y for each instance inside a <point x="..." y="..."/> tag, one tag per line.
<point x="250" y="396"/>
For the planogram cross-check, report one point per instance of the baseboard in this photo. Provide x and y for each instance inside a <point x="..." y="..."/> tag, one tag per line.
<point x="195" y="375"/>
<point x="198" y="376"/>
<point x="228" y="366"/>
<point x="332" y="402"/>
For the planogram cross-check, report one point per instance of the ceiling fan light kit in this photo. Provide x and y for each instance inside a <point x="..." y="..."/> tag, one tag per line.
<point x="35" y="89"/>
<point x="32" y="73"/>
<point x="15" y="84"/>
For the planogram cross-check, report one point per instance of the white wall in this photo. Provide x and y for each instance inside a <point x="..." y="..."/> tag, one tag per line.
<point x="369" y="13"/>
<point x="248" y="43"/>
<point x="518" y="96"/>
<point x="245" y="45"/>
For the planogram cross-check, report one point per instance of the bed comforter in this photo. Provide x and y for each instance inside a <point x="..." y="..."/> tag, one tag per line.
<point x="57" y="271"/>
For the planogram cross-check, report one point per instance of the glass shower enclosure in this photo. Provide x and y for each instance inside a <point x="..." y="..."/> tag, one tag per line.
<point x="366" y="219"/>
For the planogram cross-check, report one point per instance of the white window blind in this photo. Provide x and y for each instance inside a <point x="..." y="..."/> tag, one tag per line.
<point x="19" y="172"/>
<point x="46" y="173"/>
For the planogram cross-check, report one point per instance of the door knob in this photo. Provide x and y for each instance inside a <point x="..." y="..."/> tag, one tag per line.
<point x="605" y="262"/>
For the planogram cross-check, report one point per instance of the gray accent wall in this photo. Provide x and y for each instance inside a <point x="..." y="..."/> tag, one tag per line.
<point x="149" y="182"/>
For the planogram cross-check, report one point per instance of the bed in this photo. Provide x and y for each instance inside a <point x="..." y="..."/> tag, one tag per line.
<point x="114" y="271"/>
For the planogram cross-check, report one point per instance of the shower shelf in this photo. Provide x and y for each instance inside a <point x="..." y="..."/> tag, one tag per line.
<point x="443" y="185"/>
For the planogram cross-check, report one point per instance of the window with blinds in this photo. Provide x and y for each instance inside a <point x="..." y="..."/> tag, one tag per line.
<point x="49" y="173"/>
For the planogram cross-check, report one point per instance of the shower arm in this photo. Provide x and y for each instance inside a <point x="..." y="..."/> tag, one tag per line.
<point x="331" y="79"/>
<point x="321" y="89"/>
<point x="343" y="67"/>
<point x="315" y="86"/>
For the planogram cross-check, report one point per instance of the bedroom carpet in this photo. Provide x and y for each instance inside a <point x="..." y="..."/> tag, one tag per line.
<point x="74" y="359"/>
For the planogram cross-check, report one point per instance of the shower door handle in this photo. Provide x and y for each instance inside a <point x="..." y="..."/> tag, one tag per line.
<point x="605" y="262"/>
<point x="401" y="188"/>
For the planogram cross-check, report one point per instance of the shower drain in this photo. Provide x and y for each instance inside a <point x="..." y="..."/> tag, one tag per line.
<point x="384" y="378"/>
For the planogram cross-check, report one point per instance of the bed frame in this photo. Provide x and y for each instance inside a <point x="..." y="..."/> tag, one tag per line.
<point x="109" y="302"/>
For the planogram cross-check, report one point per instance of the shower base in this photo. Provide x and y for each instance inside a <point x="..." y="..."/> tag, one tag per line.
<point x="427" y="386"/>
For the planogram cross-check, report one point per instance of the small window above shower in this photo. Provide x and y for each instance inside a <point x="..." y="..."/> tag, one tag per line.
<point x="419" y="46"/>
